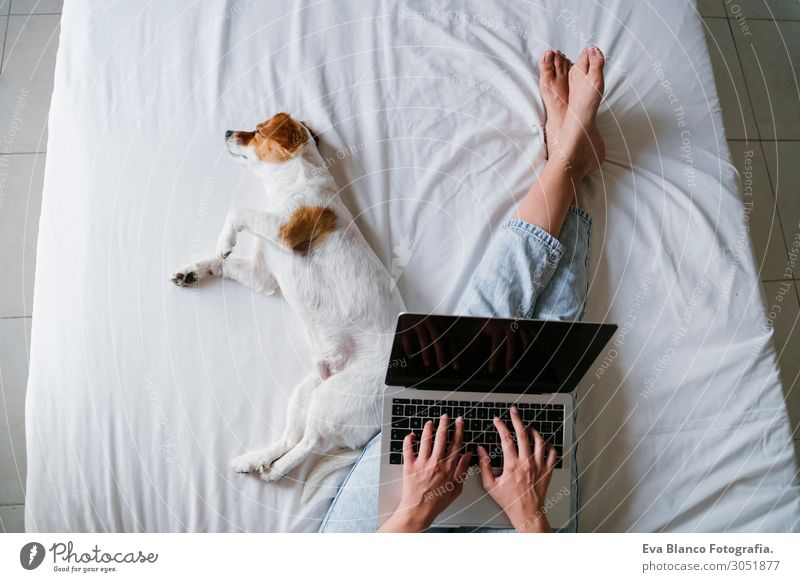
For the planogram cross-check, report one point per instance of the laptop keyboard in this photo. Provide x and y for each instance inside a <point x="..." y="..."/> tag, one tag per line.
<point x="411" y="414"/>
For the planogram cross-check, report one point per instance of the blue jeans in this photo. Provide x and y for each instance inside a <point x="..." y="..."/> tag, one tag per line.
<point x="526" y="273"/>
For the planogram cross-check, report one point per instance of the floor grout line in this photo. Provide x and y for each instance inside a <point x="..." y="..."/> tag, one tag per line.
<point x="21" y="153"/>
<point x="3" y="52"/>
<point x="17" y="317"/>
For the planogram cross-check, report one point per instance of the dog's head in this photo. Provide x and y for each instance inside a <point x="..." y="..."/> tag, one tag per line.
<point x="274" y="141"/>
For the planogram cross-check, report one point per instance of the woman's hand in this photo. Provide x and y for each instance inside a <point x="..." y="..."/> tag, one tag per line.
<point x="432" y="479"/>
<point x="522" y="487"/>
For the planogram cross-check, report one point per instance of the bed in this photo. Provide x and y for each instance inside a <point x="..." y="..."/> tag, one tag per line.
<point x="140" y="392"/>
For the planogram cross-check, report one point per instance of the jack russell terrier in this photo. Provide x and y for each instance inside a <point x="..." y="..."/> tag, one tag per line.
<point x="309" y="247"/>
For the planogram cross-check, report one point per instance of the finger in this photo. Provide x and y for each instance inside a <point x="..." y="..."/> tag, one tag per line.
<point x="458" y="438"/>
<point x="463" y="467"/>
<point x="485" y="465"/>
<point x="510" y="353"/>
<point x="426" y="441"/>
<point x="438" y="348"/>
<point x="552" y="457"/>
<point x="538" y="449"/>
<point x="522" y="435"/>
<point x="440" y="443"/>
<point x="408" y="449"/>
<point x="509" y="450"/>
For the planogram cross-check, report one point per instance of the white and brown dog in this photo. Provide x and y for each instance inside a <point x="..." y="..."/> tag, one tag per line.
<point x="309" y="247"/>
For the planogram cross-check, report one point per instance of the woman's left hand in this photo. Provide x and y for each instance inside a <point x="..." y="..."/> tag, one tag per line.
<point x="432" y="479"/>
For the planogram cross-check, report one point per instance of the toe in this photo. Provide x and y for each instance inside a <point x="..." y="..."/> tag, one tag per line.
<point x="596" y="59"/>
<point x="558" y="61"/>
<point x="583" y="61"/>
<point x="546" y="65"/>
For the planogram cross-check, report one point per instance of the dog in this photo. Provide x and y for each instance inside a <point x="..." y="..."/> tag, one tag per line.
<point x="310" y="249"/>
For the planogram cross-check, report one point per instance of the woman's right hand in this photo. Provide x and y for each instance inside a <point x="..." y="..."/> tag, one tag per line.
<point x="527" y="469"/>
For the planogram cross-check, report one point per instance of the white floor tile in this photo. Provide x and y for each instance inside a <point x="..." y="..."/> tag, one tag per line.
<point x="12" y="519"/>
<point x="36" y="6"/>
<point x="711" y="7"/>
<point x="787" y="341"/>
<point x="26" y="81"/>
<point x="765" y="229"/>
<point x="737" y="114"/>
<point x="4" y="6"/>
<point x="782" y="159"/>
<point x="21" y="181"/>
<point x="14" y="349"/>
<point x="770" y="9"/>
<point x="770" y="58"/>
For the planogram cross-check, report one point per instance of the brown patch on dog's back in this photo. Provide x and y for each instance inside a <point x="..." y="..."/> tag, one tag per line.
<point x="279" y="138"/>
<point x="307" y="228"/>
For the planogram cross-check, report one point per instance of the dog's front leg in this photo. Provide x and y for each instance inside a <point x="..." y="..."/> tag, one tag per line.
<point x="264" y="225"/>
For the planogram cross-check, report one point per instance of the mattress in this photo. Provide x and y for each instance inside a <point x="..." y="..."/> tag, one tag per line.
<point x="141" y="392"/>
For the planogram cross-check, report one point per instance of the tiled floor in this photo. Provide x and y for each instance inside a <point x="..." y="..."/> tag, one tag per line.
<point x="752" y="56"/>
<point x="29" y="38"/>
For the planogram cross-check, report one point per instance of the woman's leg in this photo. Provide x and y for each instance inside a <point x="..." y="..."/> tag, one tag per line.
<point x="527" y="263"/>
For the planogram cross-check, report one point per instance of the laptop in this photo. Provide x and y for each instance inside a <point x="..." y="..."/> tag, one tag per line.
<point x="477" y="368"/>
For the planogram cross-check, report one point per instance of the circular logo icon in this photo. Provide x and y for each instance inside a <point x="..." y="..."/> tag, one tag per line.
<point x="31" y="555"/>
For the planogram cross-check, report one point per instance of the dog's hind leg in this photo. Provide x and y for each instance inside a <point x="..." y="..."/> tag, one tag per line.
<point x="308" y="445"/>
<point x="296" y="414"/>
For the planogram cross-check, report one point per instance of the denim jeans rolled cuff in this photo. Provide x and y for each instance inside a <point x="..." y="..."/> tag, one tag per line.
<point x="512" y="273"/>
<point x="551" y="244"/>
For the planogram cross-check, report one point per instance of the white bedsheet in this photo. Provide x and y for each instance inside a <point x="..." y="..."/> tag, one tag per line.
<point x="141" y="392"/>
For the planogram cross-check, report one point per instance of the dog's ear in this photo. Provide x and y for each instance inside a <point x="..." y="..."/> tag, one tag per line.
<point x="313" y="133"/>
<point x="283" y="137"/>
<point x="307" y="227"/>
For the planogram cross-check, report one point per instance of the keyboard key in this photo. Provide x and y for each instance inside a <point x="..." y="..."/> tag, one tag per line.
<point x="416" y="401"/>
<point x="399" y="434"/>
<point x="401" y="401"/>
<point x="436" y="411"/>
<point x="458" y="411"/>
<point x="555" y="415"/>
<point x="395" y="459"/>
<point x="409" y="410"/>
<point x="415" y="422"/>
<point x="401" y="423"/>
<point x="396" y="446"/>
<point x="397" y="410"/>
<point x="428" y="402"/>
<point x="448" y="410"/>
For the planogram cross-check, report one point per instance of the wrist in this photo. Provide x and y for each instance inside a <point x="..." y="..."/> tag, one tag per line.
<point x="531" y="523"/>
<point x="405" y="521"/>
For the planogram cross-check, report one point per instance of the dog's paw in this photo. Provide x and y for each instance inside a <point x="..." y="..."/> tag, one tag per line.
<point x="191" y="275"/>
<point x="245" y="463"/>
<point x="186" y="278"/>
<point x="225" y="243"/>
<point x="267" y="474"/>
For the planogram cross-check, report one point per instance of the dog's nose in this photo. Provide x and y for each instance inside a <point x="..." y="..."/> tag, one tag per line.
<point x="228" y="134"/>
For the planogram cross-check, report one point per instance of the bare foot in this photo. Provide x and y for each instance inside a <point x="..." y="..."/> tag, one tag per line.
<point x="579" y="142"/>
<point x="554" y="87"/>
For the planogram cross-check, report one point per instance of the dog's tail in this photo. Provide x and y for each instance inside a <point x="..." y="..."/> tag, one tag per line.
<point x="329" y="464"/>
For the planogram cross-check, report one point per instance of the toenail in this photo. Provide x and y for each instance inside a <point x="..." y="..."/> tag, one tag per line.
<point x="548" y="57"/>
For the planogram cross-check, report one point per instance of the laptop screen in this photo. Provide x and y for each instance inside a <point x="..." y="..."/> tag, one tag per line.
<point x="488" y="354"/>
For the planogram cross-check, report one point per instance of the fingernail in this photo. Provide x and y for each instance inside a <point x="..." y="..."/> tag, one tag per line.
<point x="496" y="418"/>
<point x="459" y="419"/>
<point x="514" y="410"/>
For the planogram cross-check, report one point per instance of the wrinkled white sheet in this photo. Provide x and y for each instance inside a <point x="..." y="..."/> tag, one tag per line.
<point x="141" y="392"/>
